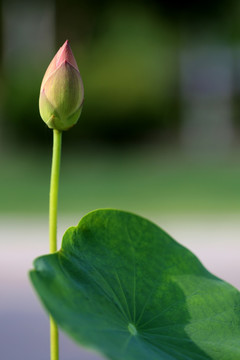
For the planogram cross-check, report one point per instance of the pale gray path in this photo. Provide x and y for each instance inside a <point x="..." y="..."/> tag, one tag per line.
<point x="23" y="323"/>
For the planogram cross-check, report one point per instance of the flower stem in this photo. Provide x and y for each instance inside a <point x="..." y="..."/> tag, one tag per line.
<point x="54" y="349"/>
<point x="53" y="201"/>
<point x="53" y="198"/>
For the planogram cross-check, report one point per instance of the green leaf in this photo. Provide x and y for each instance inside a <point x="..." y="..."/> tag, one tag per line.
<point x="124" y="287"/>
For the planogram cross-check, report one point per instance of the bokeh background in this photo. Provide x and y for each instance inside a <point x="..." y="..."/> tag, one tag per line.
<point x="159" y="135"/>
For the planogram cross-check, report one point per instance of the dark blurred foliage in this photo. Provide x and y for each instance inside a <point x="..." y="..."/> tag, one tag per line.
<point x="128" y="55"/>
<point x="1" y="38"/>
<point x="129" y="69"/>
<point x="192" y="11"/>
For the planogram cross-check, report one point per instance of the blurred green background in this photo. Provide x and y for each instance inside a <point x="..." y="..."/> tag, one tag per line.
<point x="160" y="127"/>
<point x="159" y="135"/>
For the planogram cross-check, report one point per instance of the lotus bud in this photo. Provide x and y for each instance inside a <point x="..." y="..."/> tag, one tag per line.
<point x="61" y="93"/>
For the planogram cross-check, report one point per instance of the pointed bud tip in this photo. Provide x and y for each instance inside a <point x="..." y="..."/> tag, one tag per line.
<point x="66" y="44"/>
<point x="65" y="54"/>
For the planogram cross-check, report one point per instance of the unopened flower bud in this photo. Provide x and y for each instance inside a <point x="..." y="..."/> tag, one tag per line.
<point x="61" y="93"/>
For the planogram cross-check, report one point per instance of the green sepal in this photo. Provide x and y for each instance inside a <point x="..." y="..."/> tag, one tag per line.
<point x="61" y="99"/>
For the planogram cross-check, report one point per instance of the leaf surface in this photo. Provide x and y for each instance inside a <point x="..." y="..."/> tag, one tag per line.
<point x="124" y="287"/>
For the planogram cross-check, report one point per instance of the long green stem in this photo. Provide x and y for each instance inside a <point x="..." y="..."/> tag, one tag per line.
<point x="53" y="201"/>
<point x="53" y="197"/>
<point x="54" y="348"/>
